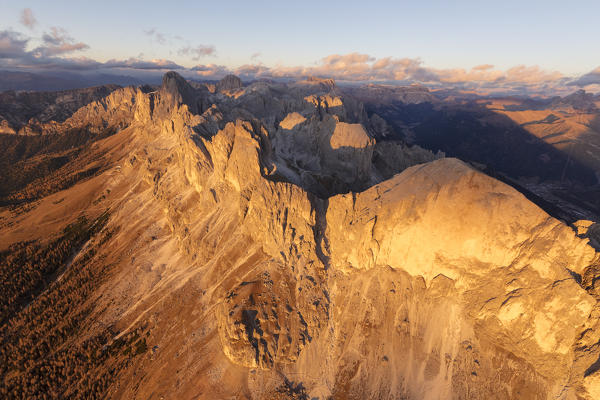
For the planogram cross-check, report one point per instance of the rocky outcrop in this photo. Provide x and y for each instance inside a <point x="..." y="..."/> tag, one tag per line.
<point x="5" y="126"/>
<point x="176" y="89"/>
<point x="322" y="154"/>
<point x="590" y="230"/>
<point x="390" y="156"/>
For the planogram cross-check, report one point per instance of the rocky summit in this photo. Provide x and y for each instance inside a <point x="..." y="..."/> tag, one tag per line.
<point x="277" y="241"/>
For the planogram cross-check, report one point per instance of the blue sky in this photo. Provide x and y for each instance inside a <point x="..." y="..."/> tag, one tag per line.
<point x="552" y="35"/>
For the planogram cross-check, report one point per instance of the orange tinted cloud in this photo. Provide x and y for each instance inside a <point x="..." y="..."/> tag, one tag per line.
<point x="28" y="19"/>
<point x="363" y="67"/>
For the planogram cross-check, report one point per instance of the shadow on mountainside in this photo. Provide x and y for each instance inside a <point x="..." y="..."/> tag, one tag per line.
<point x="22" y="108"/>
<point x="475" y="134"/>
<point x="32" y="167"/>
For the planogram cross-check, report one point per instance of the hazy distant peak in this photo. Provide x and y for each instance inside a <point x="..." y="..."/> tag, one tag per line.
<point x="173" y="82"/>
<point x="326" y="84"/>
<point x="229" y="82"/>
<point x="579" y="100"/>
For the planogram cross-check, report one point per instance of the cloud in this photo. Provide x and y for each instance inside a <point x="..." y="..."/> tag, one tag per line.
<point x="211" y="70"/>
<point x="156" y="36"/>
<point x="531" y="74"/>
<point x="14" y="54"/>
<point x="12" y="44"/>
<point x="57" y="42"/>
<point x="62" y="63"/>
<point x="56" y="48"/>
<point x="364" y="68"/>
<point x="255" y="56"/>
<point x="357" y="67"/>
<point x="252" y="71"/>
<point x="483" y="67"/>
<point x="28" y="19"/>
<point x="136" y="63"/>
<point x="591" y="78"/>
<point x="50" y="55"/>
<point x="351" y="67"/>
<point x="197" y="52"/>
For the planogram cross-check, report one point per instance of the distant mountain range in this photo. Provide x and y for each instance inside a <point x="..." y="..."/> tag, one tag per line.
<point x="17" y="80"/>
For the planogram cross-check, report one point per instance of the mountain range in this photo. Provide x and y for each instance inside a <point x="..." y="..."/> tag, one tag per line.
<point x="298" y="240"/>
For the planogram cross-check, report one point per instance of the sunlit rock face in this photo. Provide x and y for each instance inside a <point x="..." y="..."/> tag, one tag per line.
<point x="268" y="247"/>
<point x="506" y="268"/>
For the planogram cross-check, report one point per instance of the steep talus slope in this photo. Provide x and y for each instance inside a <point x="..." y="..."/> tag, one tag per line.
<point x="257" y="243"/>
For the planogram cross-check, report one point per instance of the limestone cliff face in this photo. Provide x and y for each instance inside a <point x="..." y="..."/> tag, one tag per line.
<point x="505" y="263"/>
<point x="270" y="249"/>
<point x="469" y="216"/>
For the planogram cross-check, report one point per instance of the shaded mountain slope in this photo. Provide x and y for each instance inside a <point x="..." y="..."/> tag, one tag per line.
<point x="548" y="147"/>
<point x="25" y="112"/>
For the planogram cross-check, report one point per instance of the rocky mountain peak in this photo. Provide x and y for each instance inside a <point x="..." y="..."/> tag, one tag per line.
<point x="578" y="100"/>
<point x="229" y="82"/>
<point x="174" y="82"/>
<point x="176" y="87"/>
<point x="326" y="83"/>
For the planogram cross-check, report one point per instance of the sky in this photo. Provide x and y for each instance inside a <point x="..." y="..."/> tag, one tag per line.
<point x="540" y="45"/>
